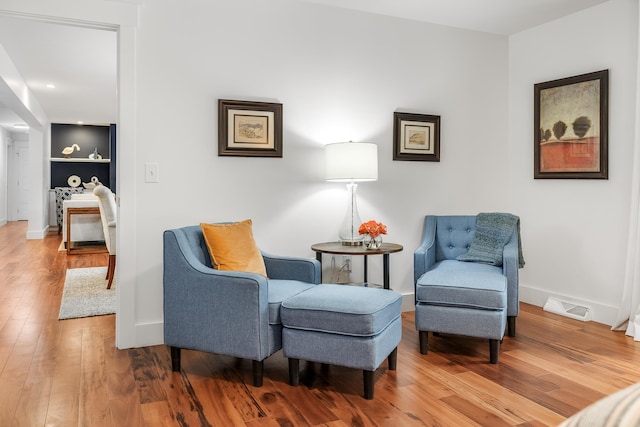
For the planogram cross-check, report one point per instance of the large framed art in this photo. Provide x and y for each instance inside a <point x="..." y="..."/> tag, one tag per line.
<point x="571" y="127"/>
<point x="249" y="129"/>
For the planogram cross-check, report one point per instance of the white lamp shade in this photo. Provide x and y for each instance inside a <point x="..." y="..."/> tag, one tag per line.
<point x="351" y="161"/>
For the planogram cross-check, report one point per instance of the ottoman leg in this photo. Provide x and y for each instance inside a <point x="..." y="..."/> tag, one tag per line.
<point x="175" y="359"/>
<point x="367" y="377"/>
<point x="294" y="371"/>
<point x="393" y="359"/>
<point x="258" y="368"/>
<point x="424" y="342"/>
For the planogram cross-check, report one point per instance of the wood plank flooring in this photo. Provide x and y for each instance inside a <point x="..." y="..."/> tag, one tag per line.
<point x="69" y="373"/>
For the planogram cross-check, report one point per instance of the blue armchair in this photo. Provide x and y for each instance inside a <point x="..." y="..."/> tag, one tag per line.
<point x="226" y="312"/>
<point x="464" y="298"/>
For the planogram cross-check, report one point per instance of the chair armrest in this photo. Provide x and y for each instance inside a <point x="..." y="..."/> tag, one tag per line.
<point x="510" y="270"/>
<point x="425" y="256"/>
<point x="224" y="312"/>
<point x="290" y="268"/>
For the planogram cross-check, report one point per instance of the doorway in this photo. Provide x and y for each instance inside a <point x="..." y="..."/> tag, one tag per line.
<point x="18" y="181"/>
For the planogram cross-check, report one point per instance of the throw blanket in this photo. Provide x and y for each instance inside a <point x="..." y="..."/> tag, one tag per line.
<point x="493" y="231"/>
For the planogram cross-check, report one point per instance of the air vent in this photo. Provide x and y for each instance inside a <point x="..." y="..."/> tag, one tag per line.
<point x="568" y="309"/>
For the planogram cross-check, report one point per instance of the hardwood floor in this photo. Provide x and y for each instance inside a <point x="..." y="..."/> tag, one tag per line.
<point x="69" y="373"/>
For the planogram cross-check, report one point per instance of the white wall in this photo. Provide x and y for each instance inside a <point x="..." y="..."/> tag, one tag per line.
<point x="575" y="231"/>
<point x="340" y="76"/>
<point x="4" y="212"/>
<point x="17" y="96"/>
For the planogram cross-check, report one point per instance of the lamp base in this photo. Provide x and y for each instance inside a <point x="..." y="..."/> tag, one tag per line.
<point x="348" y="232"/>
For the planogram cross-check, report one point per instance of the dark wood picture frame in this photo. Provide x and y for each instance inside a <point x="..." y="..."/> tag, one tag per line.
<point x="416" y="137"/>
<point x="571" y="117"/>
<point x="249" y="129"/>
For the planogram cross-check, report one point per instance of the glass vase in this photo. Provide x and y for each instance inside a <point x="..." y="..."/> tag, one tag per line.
<point x="373" y="242"/>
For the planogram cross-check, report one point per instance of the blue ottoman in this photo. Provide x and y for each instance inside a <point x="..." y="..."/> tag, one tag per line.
<point x="349" y="326"/>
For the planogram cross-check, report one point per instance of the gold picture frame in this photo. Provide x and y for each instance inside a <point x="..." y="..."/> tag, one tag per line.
<point x="249" y="129"/>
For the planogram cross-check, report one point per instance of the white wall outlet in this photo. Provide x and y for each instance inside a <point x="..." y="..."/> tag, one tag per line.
<point x="151" y="172"/>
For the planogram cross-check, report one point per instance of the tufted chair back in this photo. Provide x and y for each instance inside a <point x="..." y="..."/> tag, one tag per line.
<point x="454" y="235"/>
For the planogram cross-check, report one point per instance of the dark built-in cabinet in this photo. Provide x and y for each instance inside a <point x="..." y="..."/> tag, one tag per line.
<point x="90" y="139"/>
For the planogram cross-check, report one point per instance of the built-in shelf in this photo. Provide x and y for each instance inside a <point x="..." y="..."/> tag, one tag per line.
<point x="86" y="140"/>
<point x="79" y="160"/>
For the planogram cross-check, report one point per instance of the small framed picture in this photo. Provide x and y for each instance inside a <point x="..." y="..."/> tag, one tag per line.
<point x="249" y="129"/>
<point x="571" y="127"/>
<point x="416" y="137"/>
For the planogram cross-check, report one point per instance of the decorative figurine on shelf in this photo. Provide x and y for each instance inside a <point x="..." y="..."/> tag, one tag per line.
<point x="69" y="150"/>
<point x="91" y="185"/>
<point x="95" y="155"/>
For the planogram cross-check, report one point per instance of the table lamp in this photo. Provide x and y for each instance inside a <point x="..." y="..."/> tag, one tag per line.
<point x="351" y="162"/>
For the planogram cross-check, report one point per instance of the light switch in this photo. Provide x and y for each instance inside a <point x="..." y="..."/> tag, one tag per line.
<point x="151" y="172"/>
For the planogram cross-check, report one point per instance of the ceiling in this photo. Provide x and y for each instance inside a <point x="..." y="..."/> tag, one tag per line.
<point x="503" y="17"/>
<point x="81" y="62"/>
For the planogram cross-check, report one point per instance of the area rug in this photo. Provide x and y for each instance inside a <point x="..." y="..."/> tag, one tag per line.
<point x="85" y="293"/>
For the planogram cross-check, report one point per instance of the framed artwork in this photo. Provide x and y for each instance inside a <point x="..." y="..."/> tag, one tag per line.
<point x="249" y="129"/>
<point x="571" y="127"/>
<point x="416" y="137"/>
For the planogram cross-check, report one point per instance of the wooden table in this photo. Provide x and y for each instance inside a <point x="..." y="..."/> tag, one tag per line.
<point x="94" y="210"/>
<point x="338" y="248"/>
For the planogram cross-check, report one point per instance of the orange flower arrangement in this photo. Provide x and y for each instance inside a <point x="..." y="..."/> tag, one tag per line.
<point x="372" y="228"/>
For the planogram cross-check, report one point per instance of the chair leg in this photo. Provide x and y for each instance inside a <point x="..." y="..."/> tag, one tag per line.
<point x="367" y="377"/>
<point x="111" y="269"/>
<point x="494" y="349"/>
<point x="175" y="359"/>
<point x="392" y="359"/>
<point x="258" y="371"/>
<point x="511" y="326"/>
<point x="424" y="342"/>
<point x="294" y="371"/>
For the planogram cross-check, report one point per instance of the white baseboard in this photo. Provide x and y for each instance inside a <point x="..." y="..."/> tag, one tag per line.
<point x="37" y="234"/>
<point x="600" y="313"/>
<point x="408" y="302"/>
<point x="148" y="334"/>
<point x="3" y="221"/>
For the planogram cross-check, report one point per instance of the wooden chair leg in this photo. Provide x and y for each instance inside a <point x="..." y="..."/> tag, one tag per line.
<point x="511" y="326"/>
<point x="392" y="360"/>
<point x="258" y="371"/>
<point x="424" y="342"/>
<point x="294" y="371"/>
<point x="111" y="269"/>
<point x="175" y="359"/>
<point x="494" y="349"/>
<point x="367" y="377"/>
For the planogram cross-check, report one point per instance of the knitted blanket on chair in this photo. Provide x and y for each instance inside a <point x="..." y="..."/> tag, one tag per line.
<point x="493" y="231"/>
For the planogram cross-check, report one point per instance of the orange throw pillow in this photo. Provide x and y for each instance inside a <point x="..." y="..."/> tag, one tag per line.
<point x="232" y="247"/>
